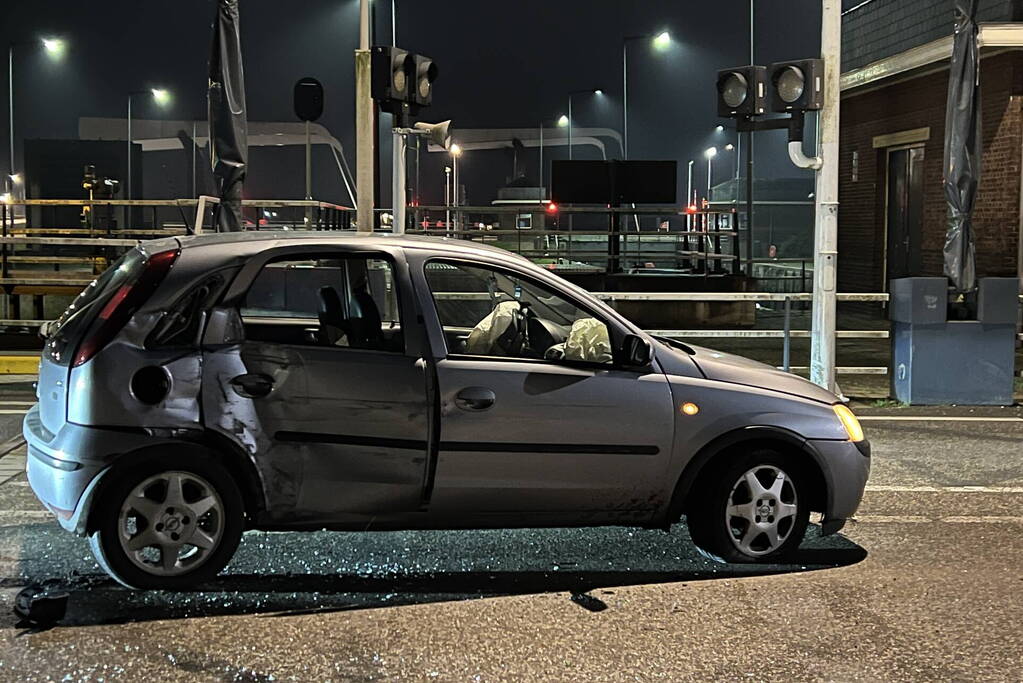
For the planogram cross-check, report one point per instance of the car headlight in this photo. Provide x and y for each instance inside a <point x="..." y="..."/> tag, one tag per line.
<point x="849" y="421"/>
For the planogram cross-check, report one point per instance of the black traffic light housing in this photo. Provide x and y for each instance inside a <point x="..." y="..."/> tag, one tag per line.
<point x="402" y="82"/>
<point x="797" y="85"/>
<point x="391" y="78"/>
<point x="425" y="74"/>
<point x="742" y="91"/>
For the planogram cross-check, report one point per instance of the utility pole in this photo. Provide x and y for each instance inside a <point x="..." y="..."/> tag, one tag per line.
<point x="364" y="125"/>
<point x="398" y="181"/>
<point x="822" y="335"/>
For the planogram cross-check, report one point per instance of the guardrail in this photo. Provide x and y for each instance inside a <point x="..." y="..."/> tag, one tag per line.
<point x="786" y="334"/>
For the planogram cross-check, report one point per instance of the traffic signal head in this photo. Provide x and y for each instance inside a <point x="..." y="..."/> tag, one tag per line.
<point x="742" y="91"/>
<point x="798" y="85"/>
<point x="425" y="74"/>
<point x="392" y="70"/>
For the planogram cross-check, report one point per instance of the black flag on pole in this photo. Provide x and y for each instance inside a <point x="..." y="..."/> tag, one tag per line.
<point x="229" y="148"/>
<point x="962" y="149"/>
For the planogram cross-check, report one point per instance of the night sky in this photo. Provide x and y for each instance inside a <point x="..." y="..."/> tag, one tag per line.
<point x="506" y="64"/>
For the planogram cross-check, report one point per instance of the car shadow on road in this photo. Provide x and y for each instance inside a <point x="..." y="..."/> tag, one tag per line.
<point x="282" y="574"/>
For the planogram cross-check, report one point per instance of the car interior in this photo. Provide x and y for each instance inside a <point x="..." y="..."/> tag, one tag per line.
<point x="490" y="313"/>
<point x="329" y="302"/>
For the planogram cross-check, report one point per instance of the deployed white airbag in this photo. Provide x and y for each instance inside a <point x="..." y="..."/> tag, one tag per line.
<point x="588" y="341"/>
<point x="483" y="340"/>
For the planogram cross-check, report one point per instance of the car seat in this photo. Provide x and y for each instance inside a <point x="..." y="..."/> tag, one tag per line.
<point x="331" y="315"/>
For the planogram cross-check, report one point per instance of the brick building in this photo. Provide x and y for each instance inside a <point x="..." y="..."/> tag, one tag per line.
<point x="894" y="88"/>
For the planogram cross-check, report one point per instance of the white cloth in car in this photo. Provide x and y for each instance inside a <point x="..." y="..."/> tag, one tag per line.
<point x="588" y="341"/>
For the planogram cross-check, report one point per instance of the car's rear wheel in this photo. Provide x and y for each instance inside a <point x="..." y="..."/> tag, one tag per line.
<point x="753" y="509"/>
<point x="167" y="523"/>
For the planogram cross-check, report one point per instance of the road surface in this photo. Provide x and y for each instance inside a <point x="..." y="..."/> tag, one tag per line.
<point x="926" y="584"/>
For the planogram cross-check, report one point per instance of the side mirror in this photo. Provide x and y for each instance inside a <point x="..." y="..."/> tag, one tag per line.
<point x="224" y="326"/>
<point x="636" y="351"/>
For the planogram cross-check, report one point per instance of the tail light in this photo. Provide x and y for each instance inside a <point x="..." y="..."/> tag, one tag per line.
<point x="118" y="310"/>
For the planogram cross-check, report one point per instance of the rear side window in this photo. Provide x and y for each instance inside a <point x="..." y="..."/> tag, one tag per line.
<point x="334" y="301"/>
<point x="181" y="324"/>
<point x="73" y="323"/>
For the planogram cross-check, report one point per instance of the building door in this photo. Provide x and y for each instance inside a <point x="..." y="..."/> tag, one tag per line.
<point x="904" y="212"/>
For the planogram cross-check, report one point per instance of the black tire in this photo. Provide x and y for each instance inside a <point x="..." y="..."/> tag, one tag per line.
<point x="106" y="520"/>
<point x="722" y="537"/>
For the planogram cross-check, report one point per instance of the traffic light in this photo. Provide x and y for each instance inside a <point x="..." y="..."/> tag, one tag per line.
<point x="425" y="74"/>
<point x="401" y="78"/>
<point x="742" y="91"/>
<point x="392" y="70"/>
<point x="797" y="85"/>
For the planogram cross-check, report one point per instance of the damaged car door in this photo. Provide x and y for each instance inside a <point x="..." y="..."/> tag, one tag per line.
<point x="309" y="368"/>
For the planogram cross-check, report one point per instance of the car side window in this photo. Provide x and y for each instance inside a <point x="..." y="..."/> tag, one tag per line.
<point x="325" y="300"/>
<point x="491" y="312"/>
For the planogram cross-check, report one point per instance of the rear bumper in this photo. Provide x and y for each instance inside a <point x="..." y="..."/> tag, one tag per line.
<point x="65" y="468"/>
<point x="846" y="466"/>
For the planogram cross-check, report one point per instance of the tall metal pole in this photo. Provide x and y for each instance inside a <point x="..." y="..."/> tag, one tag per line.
<point x="710" y="174"/>
<point x="689" y="196"/>
<point x="10" y="112"/>
<point x="129" y="195"/>
<point x="749" y="153"/>
<point x="195" y="184"/>
<point x="394" y="26"/>
<point x="364" y="125"/>
<point x="625" y="99"/>
<point x="455" y="199"/>
<point x="398" y="184"/>
<point x="541" y="165"/>
<point x="308" y="163"/>
<point x="447" y="198"/>
<point x="822" y="335"/>
<point x="570" y="126"/>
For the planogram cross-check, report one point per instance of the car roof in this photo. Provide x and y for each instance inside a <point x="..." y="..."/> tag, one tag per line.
<point x="251" y="242"/>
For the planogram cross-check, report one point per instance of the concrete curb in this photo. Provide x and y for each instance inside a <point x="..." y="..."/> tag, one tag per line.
<point x="27" y="364"/>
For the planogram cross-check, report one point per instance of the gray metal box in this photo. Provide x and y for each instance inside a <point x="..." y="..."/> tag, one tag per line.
<point x="919" y="300"/>
<point x="998" y="300"/>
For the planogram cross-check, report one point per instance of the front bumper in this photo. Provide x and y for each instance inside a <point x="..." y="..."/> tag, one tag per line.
<point x="846" y="466"/>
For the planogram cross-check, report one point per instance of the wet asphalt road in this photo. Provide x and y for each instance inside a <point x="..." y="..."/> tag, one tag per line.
<point x="926" y="584"/>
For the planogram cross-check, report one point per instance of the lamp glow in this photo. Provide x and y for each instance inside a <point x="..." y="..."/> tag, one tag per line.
<point x="456" y="150"/>
<point x="161" y="96"/>
<point x="54" y="47"/>
<point x="563" y="121"/>
<point x="662" y="40"/>
<point x="711" y="152"/>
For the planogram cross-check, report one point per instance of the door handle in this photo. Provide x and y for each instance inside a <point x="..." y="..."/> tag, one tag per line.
<point x="475" y="398"/>
<point x="252" y="385"/>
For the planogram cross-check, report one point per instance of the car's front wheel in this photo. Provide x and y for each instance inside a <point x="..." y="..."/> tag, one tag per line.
<point x="167" y="523"/>
<point x="754" y="509"/>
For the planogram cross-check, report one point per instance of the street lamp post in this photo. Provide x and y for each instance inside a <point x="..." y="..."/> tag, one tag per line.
<point x="456" y="152"/>
<point x="710" y="154"/>
<point x="660" y="41"/>
<point x="55" y="49"/>
<point x="571" y="121"/>
<point x="161" y="97"/>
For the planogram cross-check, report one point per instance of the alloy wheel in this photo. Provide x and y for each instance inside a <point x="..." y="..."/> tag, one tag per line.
<point x="761" y="510"/>
<point x="171" y="523"/>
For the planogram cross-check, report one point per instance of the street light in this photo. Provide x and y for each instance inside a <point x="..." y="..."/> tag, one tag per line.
<point x="562" y="121"/>
<point x="161" y="97"/>
<point x="710" y="153"/>
<point x="569" y="119"/>
<point x="661" y="42"/>
<point x="55" y="48"/>
<point x="456" y="152"/>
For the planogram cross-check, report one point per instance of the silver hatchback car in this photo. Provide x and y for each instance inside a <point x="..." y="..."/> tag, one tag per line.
<point x="206" y="385"/>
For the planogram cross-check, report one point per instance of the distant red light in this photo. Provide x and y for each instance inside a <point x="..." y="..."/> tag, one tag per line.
<point x="552" y="208"/>
<point x="691" y="208"/>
